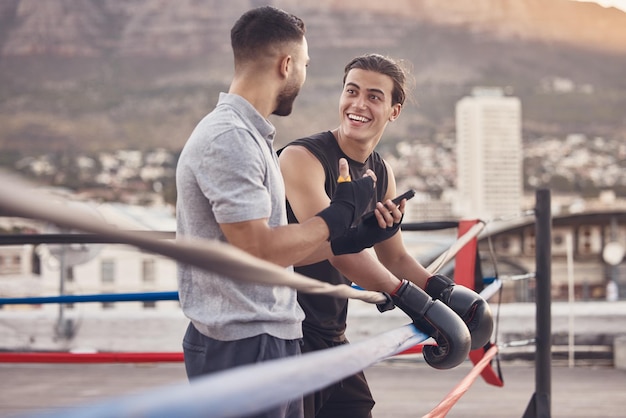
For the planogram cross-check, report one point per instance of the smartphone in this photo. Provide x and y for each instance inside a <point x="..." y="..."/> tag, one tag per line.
<point x="396" y="200"/>
<point x="406" y="195"/>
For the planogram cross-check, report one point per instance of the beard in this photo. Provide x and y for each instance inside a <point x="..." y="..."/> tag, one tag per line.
<point x="285" y="100"/>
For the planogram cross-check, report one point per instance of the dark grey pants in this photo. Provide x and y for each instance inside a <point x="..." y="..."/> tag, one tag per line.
<point x="351" y="397"/>
<point x="204" y="355"/>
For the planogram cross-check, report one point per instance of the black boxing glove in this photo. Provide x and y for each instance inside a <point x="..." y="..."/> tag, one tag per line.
<point x="364" y="235"/>
<point x="437" y="321"/>
<point x="350" y="200"/>
<point x="469" y="305"/>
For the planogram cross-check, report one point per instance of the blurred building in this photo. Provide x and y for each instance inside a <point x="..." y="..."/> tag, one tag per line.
<point x="79" y="269"/>
<point x="489" y="154"/>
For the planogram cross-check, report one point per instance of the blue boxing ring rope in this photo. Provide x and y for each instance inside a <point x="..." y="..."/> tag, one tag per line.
<point x="102" y="297"/>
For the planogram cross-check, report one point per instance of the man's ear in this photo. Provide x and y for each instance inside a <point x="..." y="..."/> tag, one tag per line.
<point x="397" y="108"/>
<point x="286" y="64"/>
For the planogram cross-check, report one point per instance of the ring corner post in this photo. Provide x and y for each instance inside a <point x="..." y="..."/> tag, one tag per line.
<point x="540" y="403"/>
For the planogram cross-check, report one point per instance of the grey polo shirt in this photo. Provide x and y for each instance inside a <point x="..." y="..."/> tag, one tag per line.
<point x="228" y="172"/>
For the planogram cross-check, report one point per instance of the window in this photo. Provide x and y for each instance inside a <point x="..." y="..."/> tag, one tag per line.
<point x="69" y="274"/>
<point x="107" y="271"/>
<point x="10" y="263"/>
<point x="148" y="271"/>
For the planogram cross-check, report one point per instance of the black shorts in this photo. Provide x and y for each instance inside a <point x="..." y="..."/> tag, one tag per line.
<point x="350" y="397"/>
<point x="204" y="355"/>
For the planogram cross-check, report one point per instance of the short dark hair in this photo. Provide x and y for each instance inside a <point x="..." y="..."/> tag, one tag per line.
<point x="261" y="28"/>
<point x="383" y="65"/>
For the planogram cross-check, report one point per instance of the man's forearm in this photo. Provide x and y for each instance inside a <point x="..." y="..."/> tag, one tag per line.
<point x="363" y="269"/>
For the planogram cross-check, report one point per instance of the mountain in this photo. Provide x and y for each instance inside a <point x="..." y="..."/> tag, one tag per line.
<point x="109" y="74"/>
<point x="561" y="21"/>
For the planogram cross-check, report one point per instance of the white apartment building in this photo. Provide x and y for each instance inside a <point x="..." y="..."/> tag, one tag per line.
<point x="114" y="269"/>
<point x="489" y="155"/>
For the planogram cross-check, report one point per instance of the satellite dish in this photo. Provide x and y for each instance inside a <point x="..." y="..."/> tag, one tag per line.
<point x="72" y="254"/>
<point x="613" y="253"/>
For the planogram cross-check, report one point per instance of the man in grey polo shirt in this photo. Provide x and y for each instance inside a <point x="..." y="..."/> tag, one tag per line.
<point x="230" y="188"/>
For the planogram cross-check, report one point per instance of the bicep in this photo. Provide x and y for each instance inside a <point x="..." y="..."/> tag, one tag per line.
<point x="304" y="179"/>
<point x="391" y="191"/>
<point x="247" y="235"/>
<point x="233" y="181"/>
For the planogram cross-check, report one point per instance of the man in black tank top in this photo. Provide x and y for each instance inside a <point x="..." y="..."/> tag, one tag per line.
<point x="373" y="95"/>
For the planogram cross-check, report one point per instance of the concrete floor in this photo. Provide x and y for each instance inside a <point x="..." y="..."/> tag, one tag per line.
<point x="402" y="386"/>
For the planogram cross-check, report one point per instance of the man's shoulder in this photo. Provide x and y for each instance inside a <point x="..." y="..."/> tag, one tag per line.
<point x="221" y="121"/>
<point x="226" y="113"/>
<point x="315" y="142"/>
<point x="324" y="136"/>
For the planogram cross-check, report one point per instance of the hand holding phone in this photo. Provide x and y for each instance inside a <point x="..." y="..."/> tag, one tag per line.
<point x="406" y="195"/>
<point x="396" y="200"/>
<point x="367" y="232"/>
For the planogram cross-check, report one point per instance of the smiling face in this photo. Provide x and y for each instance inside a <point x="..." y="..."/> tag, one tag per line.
<point x="365" y="106"/>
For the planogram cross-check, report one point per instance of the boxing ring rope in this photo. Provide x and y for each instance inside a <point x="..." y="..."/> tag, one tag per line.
<point x="90" y="358"/>
<point x="214" y="256"/>
<point x="102" y="297"/>
<point x="252" y="388"/>
<point x="459" y="390"/>
<point x="266" y="384"/>
<point x="449" y="254"/>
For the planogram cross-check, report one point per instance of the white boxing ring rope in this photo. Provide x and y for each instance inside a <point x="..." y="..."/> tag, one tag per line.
<point x="252" y="388"/>
<point x="209" y="255"/>
<point x="449" y="254"/>
<point x="245" y="389"/>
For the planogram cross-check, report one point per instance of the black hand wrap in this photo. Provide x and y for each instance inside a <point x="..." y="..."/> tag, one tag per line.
<point x="439" y="322"/>
<point x="364" y="235"/>
<point x="349" y="202"/>
<point x="469" y="305"/>
<point x="387" y="305"/>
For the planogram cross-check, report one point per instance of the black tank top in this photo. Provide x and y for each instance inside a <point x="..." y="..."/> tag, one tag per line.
<point x="326" y="315"/>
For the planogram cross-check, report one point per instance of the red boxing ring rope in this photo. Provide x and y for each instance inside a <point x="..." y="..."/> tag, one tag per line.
<point x="62" y="357"/>
<point x="442" y="409"/>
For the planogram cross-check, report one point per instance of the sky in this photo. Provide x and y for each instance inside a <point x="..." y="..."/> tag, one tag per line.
<point x="620" y="4"/>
